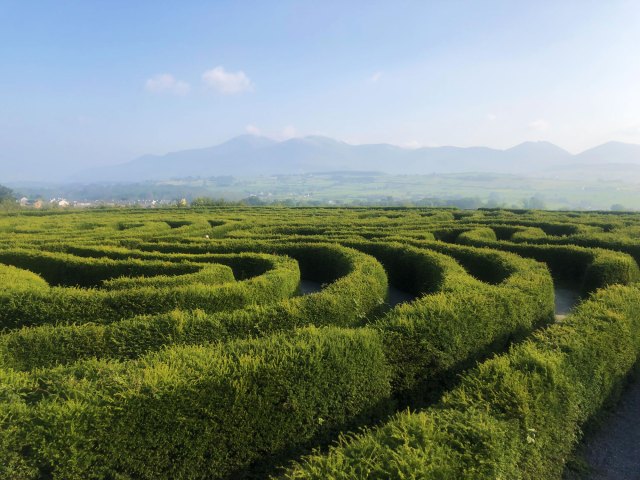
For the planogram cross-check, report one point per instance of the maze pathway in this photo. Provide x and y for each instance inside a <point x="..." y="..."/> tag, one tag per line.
<point x="613" y="451"/>
<point x="565" y="300"/>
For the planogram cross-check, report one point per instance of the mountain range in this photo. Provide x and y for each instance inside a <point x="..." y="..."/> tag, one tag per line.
<point x="250" y="155"/>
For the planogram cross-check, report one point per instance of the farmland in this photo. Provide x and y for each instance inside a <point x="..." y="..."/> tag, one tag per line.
<point x="310" y="343"/>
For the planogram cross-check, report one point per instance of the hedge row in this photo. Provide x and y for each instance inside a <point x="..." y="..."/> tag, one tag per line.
<point x="66" y="305"/>
<point x="458" y="318"/>
<point x="190" y="412"/>
<point x="609" y="241"/>
<point x="358" y="286"/>
<point x="516" y="416"/>
<point x="62" y="269"/>
<point x="243" y="264"/>
<point x="589" y="268"/>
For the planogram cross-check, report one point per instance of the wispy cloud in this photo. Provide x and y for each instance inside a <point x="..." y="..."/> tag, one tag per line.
<point x="166" y="83"/>
<point x="285" y="133"/>
<point x="375" y="77"/>
<point x="227" y="83"/>
<point x="253" y="130"/>
<point x="539" y="125"/>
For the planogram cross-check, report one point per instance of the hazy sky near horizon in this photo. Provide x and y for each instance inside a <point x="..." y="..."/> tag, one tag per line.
<point x="96" y="82"/>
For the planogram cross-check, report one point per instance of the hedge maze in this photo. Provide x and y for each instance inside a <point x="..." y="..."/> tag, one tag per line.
<point x="146" y="344"/>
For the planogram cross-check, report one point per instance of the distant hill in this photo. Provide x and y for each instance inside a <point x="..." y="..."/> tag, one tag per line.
<point x="250" y="155"/>
<point x="610" y="152"/>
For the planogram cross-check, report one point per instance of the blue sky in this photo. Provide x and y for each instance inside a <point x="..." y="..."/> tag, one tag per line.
<point x="86" y="83"/>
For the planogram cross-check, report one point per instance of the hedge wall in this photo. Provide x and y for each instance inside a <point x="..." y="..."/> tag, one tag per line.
<point x="190" y="412"/>
<point x="346" y="301"/>
<point x="516" y="416"/>
<point x="66" y="305"/>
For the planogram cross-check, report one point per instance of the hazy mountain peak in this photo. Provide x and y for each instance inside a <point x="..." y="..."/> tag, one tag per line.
<point x="251" y="155"/>
<point x="538" y="146"/>
<point x="611" y="152"/>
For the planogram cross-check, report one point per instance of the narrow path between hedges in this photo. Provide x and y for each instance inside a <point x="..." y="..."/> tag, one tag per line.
<point x="613" y="451"/>
<point x="566" y="299"/>
<point x="309" y="286"/>
<point x="396" y="296"/>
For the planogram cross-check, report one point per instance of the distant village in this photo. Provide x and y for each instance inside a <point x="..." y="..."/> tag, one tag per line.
<point x="60" y="202"/>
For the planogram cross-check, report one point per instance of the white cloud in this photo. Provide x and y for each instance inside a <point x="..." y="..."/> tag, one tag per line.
<point x="166" y="83"/>
<point x="375" y="77"/>
<point x="288" y="132"/>
<point x="285" y="133"/>
<point x="492" y="117"/>
<point x="253" y="130"/>
<point x="225" y="82"/>
<point x="539" y="125"/>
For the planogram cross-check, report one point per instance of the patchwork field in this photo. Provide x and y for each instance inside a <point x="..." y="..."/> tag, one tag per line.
<point x="303" y="343"/>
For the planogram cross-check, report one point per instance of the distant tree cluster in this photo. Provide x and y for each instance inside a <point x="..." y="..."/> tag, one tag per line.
<point x="6" y="194"/>
<point x="534" y="203"/>
<point x="7" y="199"/>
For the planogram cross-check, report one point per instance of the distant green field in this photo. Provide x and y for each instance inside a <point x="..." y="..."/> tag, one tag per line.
<point x="569" y="190"/>
<point x="340" y="343"/>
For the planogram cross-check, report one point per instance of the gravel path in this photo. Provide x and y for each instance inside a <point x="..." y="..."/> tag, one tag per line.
<point x="566" y="299"/>
<point x="309" y="286"/>
<point x="613" y="451"/>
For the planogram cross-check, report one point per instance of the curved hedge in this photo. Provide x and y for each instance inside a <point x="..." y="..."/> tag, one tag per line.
<point x="210" y="288"/>
<point x="515" y="416"/>
<point x="189" y="412"/>
<point x="458" y="318"/>
<point x="209" y="362"/>
<point x="591" y="268"/>
<point x="358" y="288"/>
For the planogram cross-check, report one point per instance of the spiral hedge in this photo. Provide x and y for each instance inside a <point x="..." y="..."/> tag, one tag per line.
<point x="240" y="342"/>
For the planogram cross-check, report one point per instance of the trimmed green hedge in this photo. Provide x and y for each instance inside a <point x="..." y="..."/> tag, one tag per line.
<point x="458" y="318"/>
<point x="589" y="268"/>
<point x="190" y="412"/>
<point x="62" y="305"/>
<point x="358" y="290"/>
<point x="61" y="269"/>
<point x="515" y="416"/>
<point x="231" y="393"/>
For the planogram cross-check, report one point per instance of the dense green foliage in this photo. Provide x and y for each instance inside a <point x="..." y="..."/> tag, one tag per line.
<point x="515" y="416"/>
<point x="192" y="411"/>
<point x="227" y="341"/>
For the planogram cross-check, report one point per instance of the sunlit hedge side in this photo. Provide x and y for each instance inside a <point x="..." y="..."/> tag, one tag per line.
<point x="592" y="267"/>
<point x="459" y="318"/>
<point x="190" y="411"/>
<point x="516" y="416"/>
<point x="59" y="305"/>
<point x="358" y="290"/>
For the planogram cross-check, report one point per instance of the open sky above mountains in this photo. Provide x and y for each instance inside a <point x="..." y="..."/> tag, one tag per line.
<point x="87" y="84"/>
